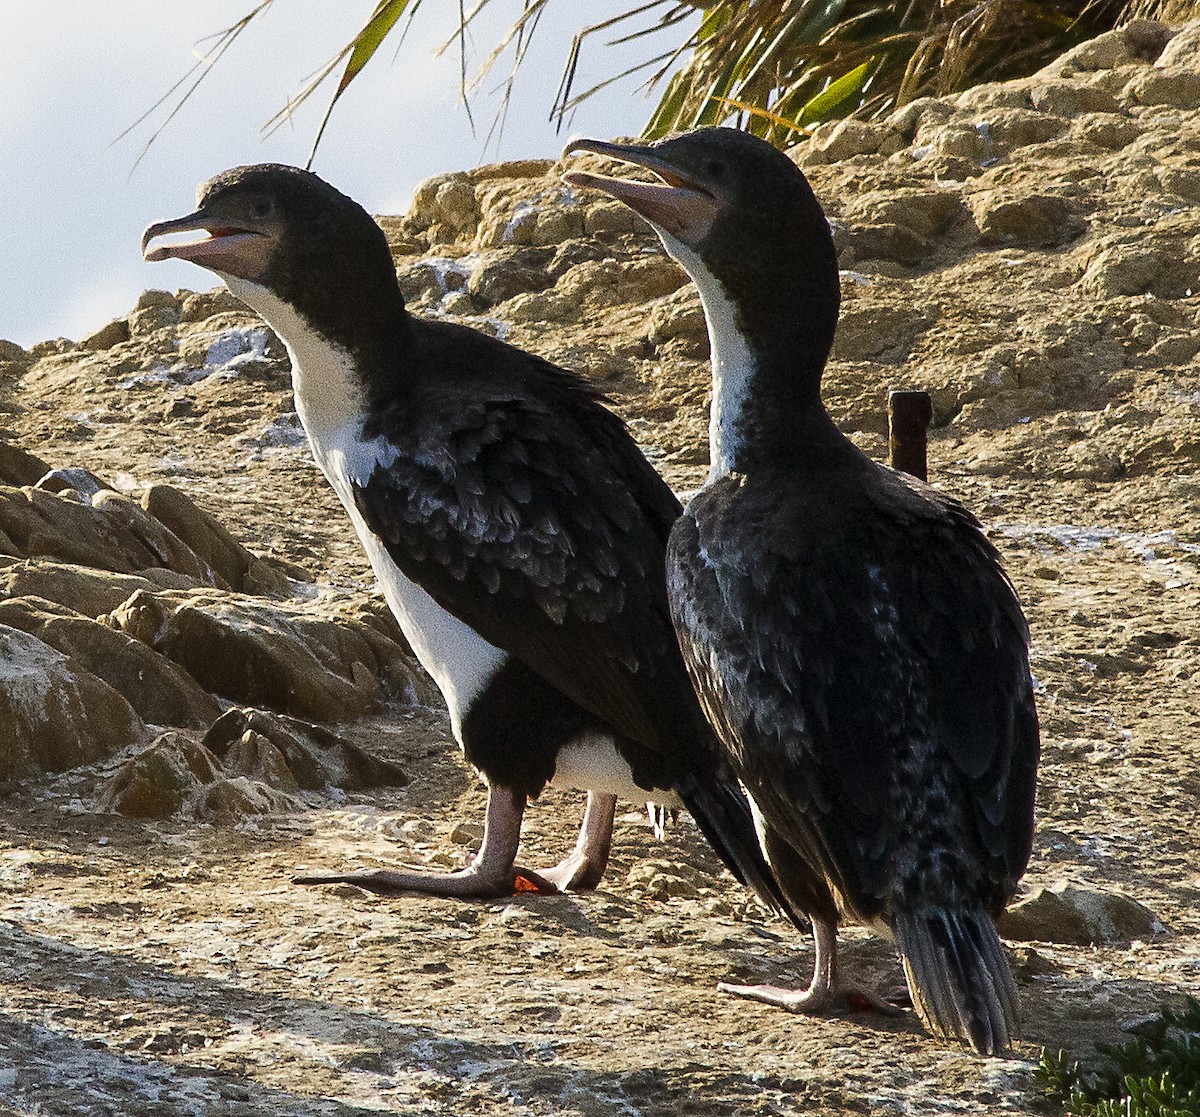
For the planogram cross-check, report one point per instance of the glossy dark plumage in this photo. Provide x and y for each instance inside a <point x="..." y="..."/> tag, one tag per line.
<point x="850" y="631"/>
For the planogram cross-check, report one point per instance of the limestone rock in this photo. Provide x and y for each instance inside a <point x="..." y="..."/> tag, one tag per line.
<point x="12" y="353"/>
<point x="1177" y="87"/>
<point x="20" y="467"/>
<point x="1165" y="265"/>
<point x="322" y="668"/>
<point x="165" y="548"/>
<point x="158" y="690"/>
<point x="539" y="307"/>
<point x="879" y="332"/>
<point x="155" y="316"/>
<point x="84" y="590"/>
<point x="257" y="758"/>
<point x="662" y="881"/>
<point x="514" y="273"/>
<point x="651" y="276"/>
<point x="1183" y="181"/>
<point x="1012" y="128"/>
<point x="1031" y="219"/>
<point x="162" y="780"/>
<point x="110" y="533"/>
<point x="54" y="715"/>
<point x="511" y="217"/>
<point x="254" y="743"/>
<point x="1183" y="48"/>
<point x="961" y="140"/>
<point x="1068" y="99"/>
<point x="1101" y="53"/>
<point x="608" y="219"/>
<point x="72" y="515"/>
<point x="993" y="95"/>
<point x="428" y="280"/>
<point x="836" y="140"/>
<point x="106" y="337"/>
<point x="884" y="241"/>
<point x="249" y="762"/>
<point x="198" y="306"/>
<point x="448" y="200"/>
<point x="1065" y="913"/>
<point x="238" y="797"/>
<point x="907" y="119"/>
<point x="1106" y="130"/>
<point x="679" y="318"/>
<point x="928" y="213"/>
<point x="205" y="536"/>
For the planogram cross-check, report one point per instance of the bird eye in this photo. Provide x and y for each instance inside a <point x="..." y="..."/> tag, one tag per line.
<point x="715" y="169"/>
<point x="262" y="207"/>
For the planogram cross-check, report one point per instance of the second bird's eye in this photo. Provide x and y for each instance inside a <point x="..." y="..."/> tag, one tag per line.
<point x="262" y="207"/>
<point x="716" y="169"/>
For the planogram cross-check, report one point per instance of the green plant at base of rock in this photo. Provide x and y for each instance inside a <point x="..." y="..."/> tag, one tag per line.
<point x="1154" y="1074"/>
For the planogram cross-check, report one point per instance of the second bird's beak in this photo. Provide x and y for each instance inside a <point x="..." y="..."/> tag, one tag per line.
<point x="679" y="204"/>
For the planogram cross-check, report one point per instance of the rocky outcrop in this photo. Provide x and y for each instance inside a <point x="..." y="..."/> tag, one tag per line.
<point x="1025" y="251"/>
<point x="1073" y="190"/>
<point x="55" y="714"/>
<point x="1066" y="913"/>
<point x="122" y="613"/>
<point x="158" y="690"/>
<point x="248" y="762"/>
<point x="280" y="655"/>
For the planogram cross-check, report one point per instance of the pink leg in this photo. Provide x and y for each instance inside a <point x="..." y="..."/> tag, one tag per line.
<point x="584" y="866"/>
<point x="827" y="993"/>
<point x="493" y="872"/>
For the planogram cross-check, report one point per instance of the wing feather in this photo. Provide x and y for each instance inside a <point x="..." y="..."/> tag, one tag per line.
<point x="845" y="631"/>
<point x="532" y="517"/>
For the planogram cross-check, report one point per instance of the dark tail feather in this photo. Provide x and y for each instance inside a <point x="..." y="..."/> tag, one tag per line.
<point x="723" y="815"/>
<point x="958" y="977"/>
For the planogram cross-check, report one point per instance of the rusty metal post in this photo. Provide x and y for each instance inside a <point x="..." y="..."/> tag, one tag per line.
<point x="909" y="416"/>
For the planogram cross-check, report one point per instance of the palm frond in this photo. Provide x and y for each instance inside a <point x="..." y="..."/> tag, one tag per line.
<point x="361" y="50"/>
<point x="204" y="63"/>
<point x="772" y="66"/>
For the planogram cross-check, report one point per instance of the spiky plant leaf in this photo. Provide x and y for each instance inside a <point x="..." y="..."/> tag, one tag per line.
<point x="800" y="61"/>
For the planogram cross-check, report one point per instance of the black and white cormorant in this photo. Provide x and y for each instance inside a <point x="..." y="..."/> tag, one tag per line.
<point x="851" y="633"/>
<point x="517" y="532"/>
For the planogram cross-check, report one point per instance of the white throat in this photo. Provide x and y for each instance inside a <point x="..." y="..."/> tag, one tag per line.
<point x="732" y="361"/>
<point x="331" y="405"/>
<point x="328" y="391"/>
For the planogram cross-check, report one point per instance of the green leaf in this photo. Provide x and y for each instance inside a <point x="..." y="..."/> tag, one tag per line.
<point x="848" y="85"/>
<point x="365" y="44"/>
<point x="666" y="114"/>
<point x="369" y="40"/>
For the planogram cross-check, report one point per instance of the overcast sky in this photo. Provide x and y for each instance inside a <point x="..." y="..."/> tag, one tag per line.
<point x="74" y="74"/>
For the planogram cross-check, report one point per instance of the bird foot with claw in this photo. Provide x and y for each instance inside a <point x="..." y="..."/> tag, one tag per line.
<point x="571" y="875"/>
<point x="466" y="884"/>
<point x="816" y="1000"/>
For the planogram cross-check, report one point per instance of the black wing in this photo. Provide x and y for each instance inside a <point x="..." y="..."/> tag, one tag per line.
<point x="526" y="510"/>
<point x="849" y="640"/>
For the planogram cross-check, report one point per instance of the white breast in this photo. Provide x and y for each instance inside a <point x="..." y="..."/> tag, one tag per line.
<point x="330" y="404"/>
<point x="591" y="763"/>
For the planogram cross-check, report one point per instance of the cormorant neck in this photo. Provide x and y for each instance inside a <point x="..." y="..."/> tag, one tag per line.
<point x="768" y="354"/>
<point x="341" y="366"/>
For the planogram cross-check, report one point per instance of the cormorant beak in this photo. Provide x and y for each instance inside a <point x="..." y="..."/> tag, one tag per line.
<point x="682" y="206"/>
<point x="224" y="248"/>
